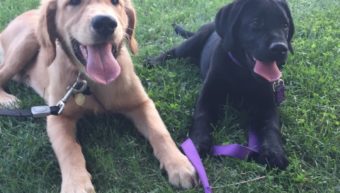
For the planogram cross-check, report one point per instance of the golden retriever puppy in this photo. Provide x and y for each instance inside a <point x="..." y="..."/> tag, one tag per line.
<point x="47" y="48"/>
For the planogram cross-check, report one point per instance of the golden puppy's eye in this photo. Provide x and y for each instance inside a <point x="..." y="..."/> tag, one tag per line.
<point x="115" y="2"/>
<point x="74" y="2"/>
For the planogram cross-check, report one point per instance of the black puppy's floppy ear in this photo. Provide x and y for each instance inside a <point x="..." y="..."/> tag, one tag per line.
<point x="291" y="26"/>
<point x="226" y="20"/>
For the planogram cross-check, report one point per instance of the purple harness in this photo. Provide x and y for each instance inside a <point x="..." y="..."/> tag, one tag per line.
<point x="232" y="150"/>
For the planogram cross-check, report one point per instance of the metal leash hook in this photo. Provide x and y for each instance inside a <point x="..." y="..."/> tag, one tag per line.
<point x="78" y="87"/>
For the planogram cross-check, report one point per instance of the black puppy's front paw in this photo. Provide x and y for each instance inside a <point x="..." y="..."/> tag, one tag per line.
<point x="273" y="157"/>
<point x="202" y="143"/>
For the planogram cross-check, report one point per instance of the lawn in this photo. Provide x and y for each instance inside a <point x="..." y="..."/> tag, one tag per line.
<point x="120" y="160"/>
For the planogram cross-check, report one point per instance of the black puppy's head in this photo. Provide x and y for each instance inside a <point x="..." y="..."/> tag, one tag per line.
<point x="261" y="29"/>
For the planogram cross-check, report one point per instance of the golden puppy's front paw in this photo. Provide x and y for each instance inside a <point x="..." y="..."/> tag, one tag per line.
<point x="181" y="173"/>
<point x="8" y="100"/>
<point x="80" y="184"/>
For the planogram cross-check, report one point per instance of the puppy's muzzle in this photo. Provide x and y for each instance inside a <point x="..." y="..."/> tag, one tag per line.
<point x="104" y="26"/>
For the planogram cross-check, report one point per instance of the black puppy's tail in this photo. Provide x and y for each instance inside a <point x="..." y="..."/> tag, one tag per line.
<point x="182" y="32"/>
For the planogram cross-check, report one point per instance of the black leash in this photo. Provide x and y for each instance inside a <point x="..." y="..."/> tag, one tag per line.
<point x="79" y="86"/>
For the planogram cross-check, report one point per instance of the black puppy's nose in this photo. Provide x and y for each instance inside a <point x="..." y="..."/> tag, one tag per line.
<point x="278" y="47"/>
<point x="104" y="25"/>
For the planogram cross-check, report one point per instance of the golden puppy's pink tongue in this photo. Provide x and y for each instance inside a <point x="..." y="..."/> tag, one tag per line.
<point x="268" y="70"/>
<point x="101" y="65"/>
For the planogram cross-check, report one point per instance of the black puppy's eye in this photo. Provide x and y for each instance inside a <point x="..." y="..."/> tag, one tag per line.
<point x="256" y="24"/>
<point x="74" y="2"/>
<point x="286" y="26"/>
<point x="115" y="2"/>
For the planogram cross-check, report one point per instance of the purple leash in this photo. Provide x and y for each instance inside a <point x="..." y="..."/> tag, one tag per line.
<point x="231" y="150"/>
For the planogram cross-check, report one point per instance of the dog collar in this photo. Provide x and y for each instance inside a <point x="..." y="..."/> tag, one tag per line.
<point x="232" y="150"/>
<point x="277" y="85"/>
<point x="231" y="56"/>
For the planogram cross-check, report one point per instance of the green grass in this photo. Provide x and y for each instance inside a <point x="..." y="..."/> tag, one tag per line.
<point x="120" y="160"/>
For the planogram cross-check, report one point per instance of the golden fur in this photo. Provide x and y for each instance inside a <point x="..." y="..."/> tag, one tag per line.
<point x="41" y="55"/>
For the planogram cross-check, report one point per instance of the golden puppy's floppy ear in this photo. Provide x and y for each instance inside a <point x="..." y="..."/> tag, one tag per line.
<point x="130" y="31"/>
<point x="47" y="30"/>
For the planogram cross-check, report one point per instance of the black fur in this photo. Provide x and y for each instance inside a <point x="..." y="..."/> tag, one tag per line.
<point x="248" y="29"/>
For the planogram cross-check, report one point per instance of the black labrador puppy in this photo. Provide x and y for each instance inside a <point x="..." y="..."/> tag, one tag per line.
<point x="240" y="56"/>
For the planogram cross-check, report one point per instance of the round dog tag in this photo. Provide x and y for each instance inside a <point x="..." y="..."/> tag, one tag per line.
<point x="80" y="99"/>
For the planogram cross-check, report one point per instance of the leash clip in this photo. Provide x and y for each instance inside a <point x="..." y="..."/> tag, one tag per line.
<point x="80" y="86"/>
<point x="61" y="106"/>
<point x="77" y="87"/>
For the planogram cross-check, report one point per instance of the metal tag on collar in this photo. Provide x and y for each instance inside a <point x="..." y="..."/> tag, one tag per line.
<point x="279" y="91"/>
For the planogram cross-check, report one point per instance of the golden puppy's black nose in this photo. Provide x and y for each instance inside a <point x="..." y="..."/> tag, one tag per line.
<point x="104" y="25"/>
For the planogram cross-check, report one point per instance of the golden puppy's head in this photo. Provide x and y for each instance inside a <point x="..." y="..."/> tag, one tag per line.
<point x="91" y="32"/>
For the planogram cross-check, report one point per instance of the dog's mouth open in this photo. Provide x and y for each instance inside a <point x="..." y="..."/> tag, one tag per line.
<point x="99" y="60"/>
<point x="267" y="70"/>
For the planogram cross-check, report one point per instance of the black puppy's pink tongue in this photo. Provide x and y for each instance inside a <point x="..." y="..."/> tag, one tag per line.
<point x="268" y="70"/>
<point x="101" y="65"/>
